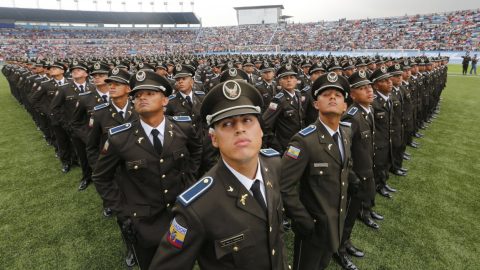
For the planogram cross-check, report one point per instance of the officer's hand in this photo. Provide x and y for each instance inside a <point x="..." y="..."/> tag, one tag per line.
<point x="306" y="228"/>
<point x="129" y="230"/>
<point x="354" y="187"/>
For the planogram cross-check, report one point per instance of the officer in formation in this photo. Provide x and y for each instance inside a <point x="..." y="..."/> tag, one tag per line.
<point x="150" y="127"/>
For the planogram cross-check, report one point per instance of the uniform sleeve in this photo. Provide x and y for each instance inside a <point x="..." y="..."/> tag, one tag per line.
<point x="78" y="124"/>
<point x="195" y="149"/>
<point x="103" y="175"/>
<point x="56" y="108"/>
<point x="94" y="138"/>
<point x="36" y="99"/>
<point x="173" y="255"/>
<point x="292" y="170"/>
<point x="269" y="118"/>
<point x="352" y="176"/>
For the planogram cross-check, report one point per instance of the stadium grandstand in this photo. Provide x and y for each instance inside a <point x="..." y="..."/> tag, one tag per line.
<point x="35" y="32"/>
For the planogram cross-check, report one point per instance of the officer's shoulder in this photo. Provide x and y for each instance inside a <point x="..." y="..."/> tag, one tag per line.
<point x="181" y="118"/>
<point x="301" y="76"/>
<point x="172" y="97"/>
<point x="85" y="93"/>
<point x="31" y="76"/>
<point x="345" y="124"/>
<point x="195" y="191"/>
<point x="352" y="111"/>
<point x="308" y="130"/>
<point x="119" y="129"/>
<point x="279" y="95"/>
<point x="269" y="152"/>
<point x="259" y="83"/>
<point x="306" y="89"/>
<point x="99" y="107"/>
<point x="199" y="92"/>
<point x="47" y="81"/>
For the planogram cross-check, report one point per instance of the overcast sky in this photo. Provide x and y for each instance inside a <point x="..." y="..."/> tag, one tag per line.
<point x="221" y="13"/>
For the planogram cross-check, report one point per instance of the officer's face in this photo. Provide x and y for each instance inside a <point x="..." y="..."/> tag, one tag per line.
<point x="161" y="71"/>
<point x="170" y="68"/>
<point x="338" y="71"/>
<point x="118" y="89"/>
<point x="268" y="76"/>
<point x="249" y="69"/>
<point x="372" y="66"/>
<point x="30" y="67"/>
<point x="429" y="67"/>
<point x="406" y="75"/>
<point x="55" y="71"/>
<point x="384" y="85"/>
<point x="99" y="79"/>
<point x="363" y="94"/>
<point x="148" y="102"/>
<point x="257" y="65"/>
<point x="362" y="68"/>
<point x="79" y="73"/>
<point x="239" y="66"/>
<point x="397" y="79"/>
<point x="316" y="74"/>
<point x="388" y="63"/>
<point x="330" y="102"/>
<point x="288" y="82"/>
<point x="414" y="70"/>
<point x="184" y="84"/>
<point x="305" y="69"/>
<point x="349" y="72"/>
<point x="239" y="138"/>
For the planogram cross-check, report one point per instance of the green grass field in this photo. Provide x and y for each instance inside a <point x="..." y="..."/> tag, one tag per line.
<point x="432" y="223"/>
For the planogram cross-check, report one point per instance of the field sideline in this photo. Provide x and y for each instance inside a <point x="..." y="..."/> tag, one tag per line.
<point x="432" y="223"/>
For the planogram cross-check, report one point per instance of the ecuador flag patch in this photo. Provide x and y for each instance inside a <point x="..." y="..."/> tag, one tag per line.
<point x="176" y="234"/>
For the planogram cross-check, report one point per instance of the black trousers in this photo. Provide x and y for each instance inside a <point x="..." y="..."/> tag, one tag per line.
<point x="65" y="146"/>
<point x="465" y="69"/>
<point x="309" y="257"/>
<point x="398" y="153"/>
<point x="144" y="256"/>
<point x="80" y="149"/>
<point x="354" y="207"/>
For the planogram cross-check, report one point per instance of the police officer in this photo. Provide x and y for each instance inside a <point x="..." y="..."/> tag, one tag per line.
<point x="267" y="86"/>
<point x="319" y="158"/>
<point x="231" y="218"/>
<point x="159" y="157"/>
<point x="248" y="67"/>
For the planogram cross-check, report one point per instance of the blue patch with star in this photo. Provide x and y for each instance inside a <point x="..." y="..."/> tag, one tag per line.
<point x="308" y="130"/>
<point x="353" y="111"/>
<point x="195" y="191"/>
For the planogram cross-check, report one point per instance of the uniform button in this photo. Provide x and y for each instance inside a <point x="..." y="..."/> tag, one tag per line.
<point x="343" y="183"/>
<point x="168" y="204"/>
<point x="321" y="172"/>
<point x="136" y="167"/>
<point x="343" y="197"/>
<point x="283" y="209"/>
<point x="193" y="124"/>
<point x="343" y="170"/>
<point x="161" y="160"/>
<point x="134" y="214"/>
<point x="163" y="176"/>
<point x="235" y="248"/>
<point x="193" y="116"/>
<point x="273" y="252"/>
<point x="205" y="181"/>
<point x="341" y="210"/>
<point x="364" y="178"/>
<point x="166" y="190"/>
<point x="314" y="221"/>
<point x="181" y="155"/>
<point x="289" y="266"/>
<point x="374" y="132"/>
<point x="270" y="228"/>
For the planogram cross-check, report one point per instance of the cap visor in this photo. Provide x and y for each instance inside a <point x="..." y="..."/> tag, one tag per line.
<point x="239" y="111"/>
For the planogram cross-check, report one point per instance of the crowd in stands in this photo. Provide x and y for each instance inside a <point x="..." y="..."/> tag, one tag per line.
<point x="459" y="30"/>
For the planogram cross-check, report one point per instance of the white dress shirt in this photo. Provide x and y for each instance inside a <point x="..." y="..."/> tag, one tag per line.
<point x="148" y="130"/>
<point x="339" y="142"/>
<point x="124" y="110"/>
<point x="101" y="94"/>
<point x="78" y="85"/>
<point x="247" y="183"/>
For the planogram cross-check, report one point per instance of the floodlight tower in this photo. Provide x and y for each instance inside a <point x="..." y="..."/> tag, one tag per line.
<point x="109" y="5"/>
<point x="153" y="6"/>
<point x="181" y="5"/>
<point x="76" y="3"/>
<point x="96" y="4"/>
<point x="192" y="3"/>
<point x="124" y="6"/>
<point x="166" y="5"/>
<point x="141" y="9"/>
<point x="59" y="4"/>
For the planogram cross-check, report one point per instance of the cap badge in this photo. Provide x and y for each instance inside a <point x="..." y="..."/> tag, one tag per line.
<point x="75" y="63"/>
<point x="178" y="67"/>
<point x="362" y="74"/>
<point x="115" y="71"/>
<point x="141" y="76"/>
<point x="117" y="62"/>
<point x="336" y="63"/>
<point x="230" y="65"/>
<point x="231" y="90"/>
<point x="383" y="69"/>
<point x="397" y="66"/>
<point x="266" y="64"/>
<point x="232" y="72"/>
<point x="141" y="65"/>
<point x="288" y="66"/>
<point x="97" y="65"/>
<point x="332" y="77"/>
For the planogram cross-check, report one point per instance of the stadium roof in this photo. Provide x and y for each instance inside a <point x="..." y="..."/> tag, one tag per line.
<point x="260" y="7"/>
<point x="105" y="17"/>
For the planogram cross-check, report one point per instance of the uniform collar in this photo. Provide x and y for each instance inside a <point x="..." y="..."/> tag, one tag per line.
<point x="246" y="182"/>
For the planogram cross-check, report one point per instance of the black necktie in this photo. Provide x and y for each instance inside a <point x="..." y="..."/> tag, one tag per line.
<point x="81" y="88"/>
<point x="157" y="144"/>
<point x="257" y="194"/>
<point x="335" y="140"/>
<point x="121" y="114"/>
<point x="59" y="82"/>
<point x="189" y="100"/>
<point x="105" y="99"/>
<point x="250" y="78"/>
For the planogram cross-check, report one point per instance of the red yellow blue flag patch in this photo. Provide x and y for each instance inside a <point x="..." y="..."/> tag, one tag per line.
<point x="273" y="106"/>
<point x="105" y="148"/>
<point x="91" y="122"/>
<point x="211" y="131"/>
<point x="76" y="105"/>
<point x="303" y="98"/>
<point x="176" y="234"/>
<point x="293" y="152"/>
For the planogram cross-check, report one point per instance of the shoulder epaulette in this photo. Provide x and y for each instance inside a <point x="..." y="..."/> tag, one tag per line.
<point x="375" y="96"/>
<point x="195" y="191"/>
<point x="197" y="81"/>
<point x="47" y="81"/>
<point x="308" y="130"/>
<point x="296" y="90"/>
<point x="353" y="111"/>
<point x="64" y="84"/>
<point x="269" y="152"/>
<point x="31" y="76"/>
<point x="280" y="95"/>
<point x="182" y="118"/>
<point x="306" y="88"/>
<point x="259" y="83"/>
<point x="119" y="129"/>
<point x="25" y="72"/>
<point x="172" y="97"/>
<point x="345" y="124"/>
<point x="40" y="78"/>
<point x="99" y="107"/>
<point x="199" y="92"/>
<point x="301" y="76"/>
<point x="85" y="93"/>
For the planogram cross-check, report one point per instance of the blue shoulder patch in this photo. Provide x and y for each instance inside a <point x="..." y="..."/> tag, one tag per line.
<point x="99" y="107"/>
<point x="353" y="111"/>
<point x="279" y="96"/>
<point x="301" y="76"/>
<point x="84" y="93"/>
<point x="306" y="88"/>
<point x="171" y="97"/>
<point x="296" y="90"/>
<point x="375" y="96"/>
<point x="308" y="130"/>
<point x="199" y="92"/>
<point x="47" y="81"/>
<point x="269" y="152"/>
<point x="195" y="191"/>
<point x="119" y="129"/>
<point x="345" y="124"/>
<point x="182" y="118"/>
<point x="259" y="83"/>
